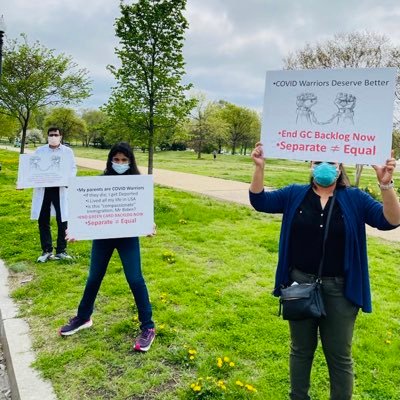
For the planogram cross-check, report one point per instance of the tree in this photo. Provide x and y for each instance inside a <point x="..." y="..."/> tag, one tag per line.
<point x="34" y="136"/>
<point x="204" y="125"/>
<point x="9" y="127"/>
<point x="149" y="93"/>
<point x="34" y="78"/>
<point x="71" y="125"/>
<point x="95" y="123"/>
<point x="349" y="50"/>
<point x="241" y="122"/>
<point x="396" y="144"/>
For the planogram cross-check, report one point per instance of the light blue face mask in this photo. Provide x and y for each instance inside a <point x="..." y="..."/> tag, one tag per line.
<point x="325" y="174"/>
<point x="120" y="168"/>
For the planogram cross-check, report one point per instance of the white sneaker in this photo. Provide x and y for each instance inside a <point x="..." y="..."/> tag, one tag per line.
<point x="62" y="256"/>
<point x="46" y="256"/>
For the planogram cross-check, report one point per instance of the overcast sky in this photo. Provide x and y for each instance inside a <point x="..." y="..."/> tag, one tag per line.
<point x="229" y="46"/>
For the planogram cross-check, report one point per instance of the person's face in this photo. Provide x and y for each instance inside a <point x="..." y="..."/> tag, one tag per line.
<point x="54" y="134"/>
<point x="315" y="163"/>
<point x="54" y="138"/>
<point x="120" y="158"/>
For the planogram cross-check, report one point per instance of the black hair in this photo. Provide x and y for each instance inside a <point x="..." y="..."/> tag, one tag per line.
<point x="125" y="149"/>
<point x="342" y="180"/>
<point x="54" y="129"/>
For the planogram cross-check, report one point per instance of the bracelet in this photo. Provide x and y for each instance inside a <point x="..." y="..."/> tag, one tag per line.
<point x="386" y="186"/>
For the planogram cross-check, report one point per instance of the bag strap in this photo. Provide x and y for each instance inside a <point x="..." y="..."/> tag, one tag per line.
<point x="328" y="220"/>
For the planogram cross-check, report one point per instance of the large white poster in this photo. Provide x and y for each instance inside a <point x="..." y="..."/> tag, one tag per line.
<point x="103" y="207"/>
<point x="343" y="115"/>
<point x="44" y="170"/>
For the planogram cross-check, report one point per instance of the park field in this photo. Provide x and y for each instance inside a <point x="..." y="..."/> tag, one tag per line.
<point x="226" y="166"/>
<point x="210" y="272"/>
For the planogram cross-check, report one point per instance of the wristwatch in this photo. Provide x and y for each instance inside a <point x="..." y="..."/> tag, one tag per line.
<point x="386" y="186"/>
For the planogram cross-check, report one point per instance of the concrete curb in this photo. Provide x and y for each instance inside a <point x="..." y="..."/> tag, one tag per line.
<point x="25" y="382"/>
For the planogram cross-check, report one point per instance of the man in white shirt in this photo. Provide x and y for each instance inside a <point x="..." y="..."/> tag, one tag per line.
<point x="47" y="201"/>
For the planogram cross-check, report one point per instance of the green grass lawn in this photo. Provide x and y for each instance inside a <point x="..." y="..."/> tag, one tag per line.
<point x="278" y="173"/>
<point x="210" y="273"/>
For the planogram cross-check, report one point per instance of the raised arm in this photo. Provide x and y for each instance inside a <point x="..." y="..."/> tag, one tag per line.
<point x="257" y="183"/>
<point x="391" y="206"/>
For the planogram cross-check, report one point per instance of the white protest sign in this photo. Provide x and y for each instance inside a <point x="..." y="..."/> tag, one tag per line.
<point x="343" y="115"/>
<point x="44" y="170"/>
<point x="103" y="207"/>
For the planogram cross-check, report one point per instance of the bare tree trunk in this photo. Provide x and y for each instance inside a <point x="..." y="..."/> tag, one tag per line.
<point x="359" y="168"/>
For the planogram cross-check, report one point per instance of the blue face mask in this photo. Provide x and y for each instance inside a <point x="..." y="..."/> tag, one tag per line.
<point x="325" y="174"/>
<point x="120" y="168"/>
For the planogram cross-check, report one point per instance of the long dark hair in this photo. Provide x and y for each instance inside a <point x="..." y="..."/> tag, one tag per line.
<point x="125" y="149"/>
<point x="342" y="181"/>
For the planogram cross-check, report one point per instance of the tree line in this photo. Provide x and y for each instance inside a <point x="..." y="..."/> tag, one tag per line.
<point x="150" y="107"/>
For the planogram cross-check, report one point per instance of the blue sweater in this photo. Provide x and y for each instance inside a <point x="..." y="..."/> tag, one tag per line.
<point x="358" y="209"/>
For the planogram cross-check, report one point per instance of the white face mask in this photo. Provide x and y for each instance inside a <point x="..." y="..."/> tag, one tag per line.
<point x="54" y="140"/>
<point x="120" y="168"/>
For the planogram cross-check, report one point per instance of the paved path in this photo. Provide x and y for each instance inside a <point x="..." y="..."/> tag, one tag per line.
<point x="221" y="189"/>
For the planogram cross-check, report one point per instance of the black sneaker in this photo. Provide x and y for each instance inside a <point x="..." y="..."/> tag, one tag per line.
<point x="145" y="339"/>
<point x="75" y="324"/>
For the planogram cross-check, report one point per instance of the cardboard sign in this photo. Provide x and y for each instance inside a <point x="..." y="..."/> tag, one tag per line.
<point x="343" y="115"/>
<point x="104" y="207"/>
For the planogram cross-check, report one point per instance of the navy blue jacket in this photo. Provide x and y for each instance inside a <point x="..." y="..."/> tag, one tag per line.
<point x="358" y="209"/>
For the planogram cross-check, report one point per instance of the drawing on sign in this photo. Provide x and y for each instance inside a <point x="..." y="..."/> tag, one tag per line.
<point x="345" y="103"/>
<point x="36" y="161"/>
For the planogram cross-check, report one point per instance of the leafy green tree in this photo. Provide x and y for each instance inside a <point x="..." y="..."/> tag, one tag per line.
<point x="252" y="135"/>
<point x="243" y="124"/>
<point x="203" y="125"/>
<point x="34" y="136"/>
<point x="35" y="77"/>
<point x="96" y="126"/>
<point x="349" y="50"/>
<point x="396" y="144"/>
<point x="71" y="125"/>
<point x="8" y="127"/>
<point x="149" y="95"/>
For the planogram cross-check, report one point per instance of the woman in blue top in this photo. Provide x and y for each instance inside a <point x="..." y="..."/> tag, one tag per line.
<point x="345" y="279"/>
<point x="121" y="161"/>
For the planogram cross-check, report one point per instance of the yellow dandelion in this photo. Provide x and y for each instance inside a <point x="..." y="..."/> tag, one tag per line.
<point x="231" y="364"/>
<point x="192" y="351"/>
<point x="239" y="383"/>
<point x="197" y="388"/>
<point x="226" y="359"/>
<point x="191" y="358"/>
<point x="388" y="341"/>
<point x="192" y="385"/>
<point x="250" y="388"/>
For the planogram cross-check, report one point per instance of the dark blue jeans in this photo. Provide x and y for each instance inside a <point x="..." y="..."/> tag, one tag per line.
<point x="129" y="252"/>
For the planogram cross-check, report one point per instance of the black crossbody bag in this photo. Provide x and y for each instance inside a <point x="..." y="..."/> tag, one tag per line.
<point x="304" y="300"/>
